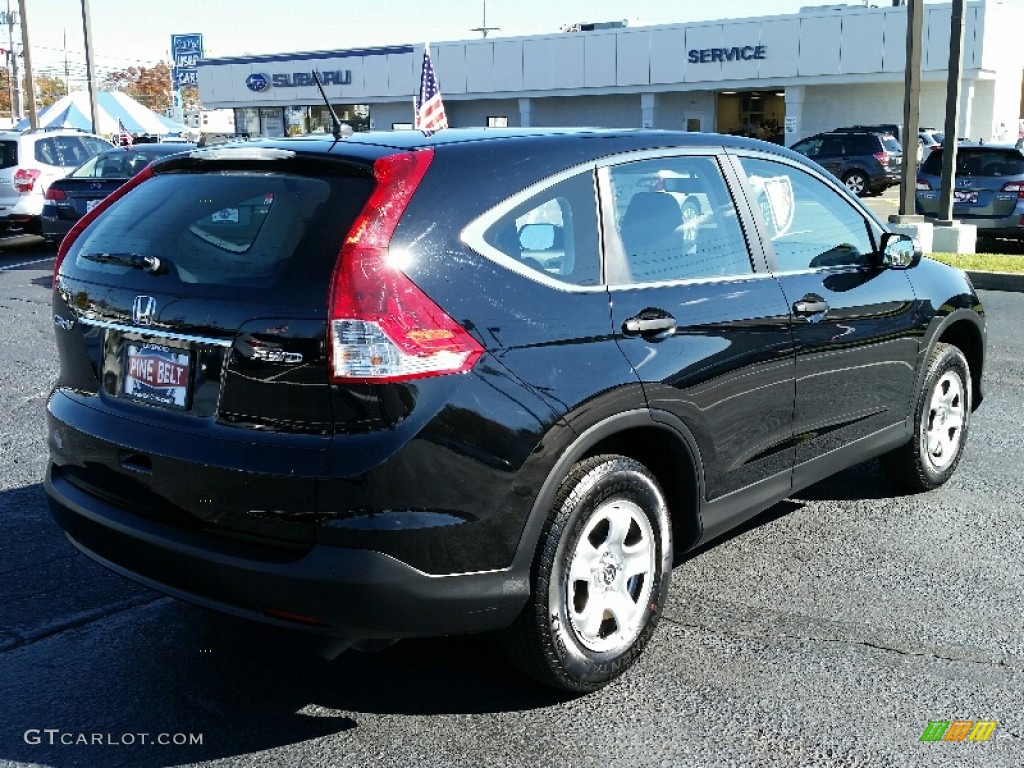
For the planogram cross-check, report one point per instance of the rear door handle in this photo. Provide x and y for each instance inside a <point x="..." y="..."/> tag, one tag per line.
<point x="810" y="306"/>
<point x="642" y="325"/>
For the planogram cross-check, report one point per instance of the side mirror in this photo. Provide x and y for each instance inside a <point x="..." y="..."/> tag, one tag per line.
<point x="900" y="251"/>
<point x="538" y="237"/>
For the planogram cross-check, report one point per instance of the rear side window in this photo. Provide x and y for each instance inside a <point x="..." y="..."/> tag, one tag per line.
<point x="8" y="154"/>
<point x="71" y="150"/>
<point x="46" y="152"/>
<point x="224" y="232"/>
<point x="674" y="220"/>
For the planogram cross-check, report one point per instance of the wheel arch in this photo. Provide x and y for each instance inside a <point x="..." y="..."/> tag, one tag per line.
<point x="664" y="445"/>
<point x="961" y="329"/>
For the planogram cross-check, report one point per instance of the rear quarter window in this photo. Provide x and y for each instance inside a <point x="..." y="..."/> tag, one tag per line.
<point x="8" y="154"/>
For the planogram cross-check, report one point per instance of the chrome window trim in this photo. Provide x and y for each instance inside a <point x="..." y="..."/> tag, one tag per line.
<point x="109" y="326"/>
<point x="692" y="281"/>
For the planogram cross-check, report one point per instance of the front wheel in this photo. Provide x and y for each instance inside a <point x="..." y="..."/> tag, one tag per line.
<point x="941" y="420"/>
<point x="599" y="578"/>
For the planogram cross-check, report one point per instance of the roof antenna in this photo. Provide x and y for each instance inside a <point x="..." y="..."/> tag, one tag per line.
<point x="335" y="122"/>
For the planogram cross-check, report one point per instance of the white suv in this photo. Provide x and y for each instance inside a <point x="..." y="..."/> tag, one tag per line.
<point x="29" y="162"/>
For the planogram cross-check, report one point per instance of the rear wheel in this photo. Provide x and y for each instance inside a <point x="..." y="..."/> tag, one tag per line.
<point x="599" y="578"/>
<point x="941" y="420"/>
<point x="856" y="182"/>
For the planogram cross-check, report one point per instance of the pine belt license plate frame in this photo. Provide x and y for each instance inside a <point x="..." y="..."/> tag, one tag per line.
<point x="157" y="374"/>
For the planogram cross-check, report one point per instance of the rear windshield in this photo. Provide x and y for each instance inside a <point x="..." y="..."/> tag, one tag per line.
<point x="978" y="162"/>
<point x="8" y="154"/>
<point x="225" y="234"/>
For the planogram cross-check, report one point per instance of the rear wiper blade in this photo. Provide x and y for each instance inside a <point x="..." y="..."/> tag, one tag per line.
<point x="135" y="260"/>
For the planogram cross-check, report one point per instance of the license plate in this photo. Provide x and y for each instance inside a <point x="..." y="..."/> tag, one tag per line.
<point x="156" y="374"/>
<point x="90" y="204"/>
<point x="965" y="196"/>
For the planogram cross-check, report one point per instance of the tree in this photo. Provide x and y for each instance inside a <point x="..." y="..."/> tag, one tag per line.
<point x="49" y="90"/>
<point x="150" y="86"/>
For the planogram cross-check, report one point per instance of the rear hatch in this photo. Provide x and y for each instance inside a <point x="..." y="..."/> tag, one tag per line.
<point x="191" y="319"/>
<point x="893" y="161"/>
<point x="8" y="167"/>
<point x="987" y="182"/>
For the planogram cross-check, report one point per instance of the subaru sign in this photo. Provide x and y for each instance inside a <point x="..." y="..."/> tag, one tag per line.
<point x="257" y="82"/>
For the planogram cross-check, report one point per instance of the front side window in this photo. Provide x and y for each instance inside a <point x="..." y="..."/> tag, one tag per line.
<point x="674" y="219"/>
<point x="810" y="224"/>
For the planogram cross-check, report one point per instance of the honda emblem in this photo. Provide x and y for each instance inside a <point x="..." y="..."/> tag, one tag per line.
<point x="143" y="310"/>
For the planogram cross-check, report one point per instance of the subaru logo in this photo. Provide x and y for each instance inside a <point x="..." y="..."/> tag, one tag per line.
<point x="257" y="82"/>
<point x="143" y="310"/>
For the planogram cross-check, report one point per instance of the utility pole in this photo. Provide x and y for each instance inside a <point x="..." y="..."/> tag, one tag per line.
<point x="12" y="55"/>
<point x="911" y="106"/>
<point x="949" y="138"/>
<point x="30" y="90"/>
<point x="90" y="76"/>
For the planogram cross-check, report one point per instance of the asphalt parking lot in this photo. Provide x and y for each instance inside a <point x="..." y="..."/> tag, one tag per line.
<point x="829" y="632"/>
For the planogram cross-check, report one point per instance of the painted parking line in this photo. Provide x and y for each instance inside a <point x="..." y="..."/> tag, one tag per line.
<point x="26" y="263"/>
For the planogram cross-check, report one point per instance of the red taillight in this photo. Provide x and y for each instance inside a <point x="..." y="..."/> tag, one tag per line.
<point x="881" y="157"/>
<point x="55" y="194"/>
<point x="924" y="184"/>
<point x="1015" y="186"/>
<point x="382" y="327"/>
<point x="85" y="221"/>
<point x="25" y="179"/>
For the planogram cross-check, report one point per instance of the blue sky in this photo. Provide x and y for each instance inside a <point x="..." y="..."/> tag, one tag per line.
<point x="130" y="32"/>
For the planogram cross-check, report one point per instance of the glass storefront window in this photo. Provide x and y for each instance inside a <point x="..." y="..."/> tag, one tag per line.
<point x="247" y="120"/>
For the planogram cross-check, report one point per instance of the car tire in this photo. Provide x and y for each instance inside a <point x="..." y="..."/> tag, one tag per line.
<point x="942" y="415"/>
<point x="856" y="182"/>
<point x="599" y="578"/>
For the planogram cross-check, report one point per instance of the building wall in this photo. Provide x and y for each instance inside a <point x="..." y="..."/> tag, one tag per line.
<point x="836" y="65"/>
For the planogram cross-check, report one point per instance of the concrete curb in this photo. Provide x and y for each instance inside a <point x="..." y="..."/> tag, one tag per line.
<point x="997" y="281"/>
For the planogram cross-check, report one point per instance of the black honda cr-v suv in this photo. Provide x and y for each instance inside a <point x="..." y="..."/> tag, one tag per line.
<point x="403" y="384"/>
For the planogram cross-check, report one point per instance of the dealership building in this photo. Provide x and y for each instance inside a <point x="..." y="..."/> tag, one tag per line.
<point x="780" y="77"/>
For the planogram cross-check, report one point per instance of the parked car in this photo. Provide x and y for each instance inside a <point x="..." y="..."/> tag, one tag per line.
<point x="930" y="139"/>
<point x="988" y="188"/>
<point x="867" y="163"/>
<point x="408" y="384"/>
<point x="70" y="198"/>
<point x="29" y="162"/>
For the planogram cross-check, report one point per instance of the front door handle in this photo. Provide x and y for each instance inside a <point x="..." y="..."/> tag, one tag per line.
<point x="810" y="306"/>
<point x="646" y="324"/>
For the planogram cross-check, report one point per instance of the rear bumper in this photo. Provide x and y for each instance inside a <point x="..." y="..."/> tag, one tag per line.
<point x="349" y="593"/>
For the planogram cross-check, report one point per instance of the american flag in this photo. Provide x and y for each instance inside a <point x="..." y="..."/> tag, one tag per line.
<point x="123" y="137"/>
<point x="429" y="107"/>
